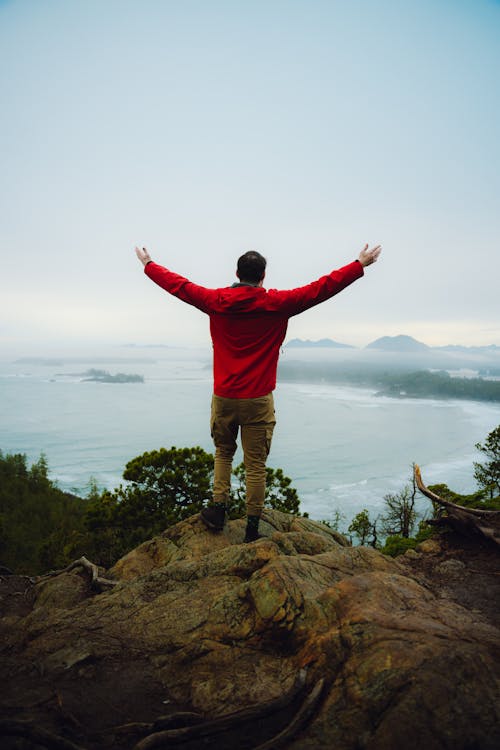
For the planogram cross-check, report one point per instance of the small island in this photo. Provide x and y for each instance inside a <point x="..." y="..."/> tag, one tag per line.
<point x="103" y="376"/>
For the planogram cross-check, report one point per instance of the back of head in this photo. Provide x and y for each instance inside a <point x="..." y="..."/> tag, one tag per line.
<point x="251" y="267"/>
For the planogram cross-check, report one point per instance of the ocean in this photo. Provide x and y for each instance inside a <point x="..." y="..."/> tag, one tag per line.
<point x="343" y="447"/>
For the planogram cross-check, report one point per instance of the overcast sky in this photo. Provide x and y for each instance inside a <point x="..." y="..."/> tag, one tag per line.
<point x="201" y="129"/>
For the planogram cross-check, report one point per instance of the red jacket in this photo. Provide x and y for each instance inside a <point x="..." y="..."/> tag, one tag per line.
<point x="248" y="324"/>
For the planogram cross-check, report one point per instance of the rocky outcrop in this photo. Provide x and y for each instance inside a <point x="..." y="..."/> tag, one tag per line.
<point x="204" y="624"/>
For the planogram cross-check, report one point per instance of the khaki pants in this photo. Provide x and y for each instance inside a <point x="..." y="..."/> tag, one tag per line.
<point x="255" y="417"/>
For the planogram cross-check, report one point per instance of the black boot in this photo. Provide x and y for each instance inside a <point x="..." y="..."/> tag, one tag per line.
<point x="252" y="532"/>
<point x="214" y="516"/>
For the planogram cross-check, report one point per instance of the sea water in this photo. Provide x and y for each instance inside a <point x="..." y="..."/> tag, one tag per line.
<point x="344" y="447"/>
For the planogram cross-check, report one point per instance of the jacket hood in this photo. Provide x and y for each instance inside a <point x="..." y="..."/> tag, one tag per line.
<point x="241" y="298"/>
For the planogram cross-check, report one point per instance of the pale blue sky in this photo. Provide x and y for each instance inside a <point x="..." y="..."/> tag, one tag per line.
<point x="301" y="128"/>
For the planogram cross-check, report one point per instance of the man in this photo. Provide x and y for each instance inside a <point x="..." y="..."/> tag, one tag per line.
<point x="248" y="325"/>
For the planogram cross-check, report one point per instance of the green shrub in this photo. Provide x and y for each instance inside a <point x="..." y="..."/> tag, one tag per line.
<point x="397" y="545"/>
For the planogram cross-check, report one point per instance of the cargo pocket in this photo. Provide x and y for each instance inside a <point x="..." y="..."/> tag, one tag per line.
<point x="217" y="432"/>
<point x="269" y="437"/>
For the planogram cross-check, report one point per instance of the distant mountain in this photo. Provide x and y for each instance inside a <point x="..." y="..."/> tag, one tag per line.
<point x="398" y="344"/>
<point x="320" y="344"/>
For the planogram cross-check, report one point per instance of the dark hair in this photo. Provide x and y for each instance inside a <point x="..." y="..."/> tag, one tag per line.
<point x="251" y="267"/>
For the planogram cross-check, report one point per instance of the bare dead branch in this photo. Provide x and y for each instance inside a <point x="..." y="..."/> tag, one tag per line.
<point x="438" y="499"/>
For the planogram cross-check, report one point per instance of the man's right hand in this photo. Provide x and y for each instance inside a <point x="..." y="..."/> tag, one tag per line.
<point x="144" y="256"/>
<point x="367" y="257"/>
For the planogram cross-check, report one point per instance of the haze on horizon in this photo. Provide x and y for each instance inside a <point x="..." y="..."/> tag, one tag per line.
<point x="201" y="130"/>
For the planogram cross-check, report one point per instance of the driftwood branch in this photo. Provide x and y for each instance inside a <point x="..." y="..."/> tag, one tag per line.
<point x="465" y="520"/>
<point x="96" y="582"/>
<point x="231" y="721"/>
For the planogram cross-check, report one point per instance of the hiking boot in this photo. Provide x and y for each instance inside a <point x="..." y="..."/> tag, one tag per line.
<point x="252" y="536"/>
<point x="252" y="531"/>
<point x="214" y="516"/>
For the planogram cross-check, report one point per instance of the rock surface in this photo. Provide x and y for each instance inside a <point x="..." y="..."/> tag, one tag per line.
<point x="201" y="622"/>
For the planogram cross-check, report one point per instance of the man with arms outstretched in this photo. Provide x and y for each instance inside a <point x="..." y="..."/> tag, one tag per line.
<point x="248" y="325"/>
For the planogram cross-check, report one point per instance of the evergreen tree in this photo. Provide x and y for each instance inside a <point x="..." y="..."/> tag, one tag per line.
<point x="39" y="523"/>
<point x="280" y="495"/>
<point x="363" y="526"/>
<point x="487" y="475"/>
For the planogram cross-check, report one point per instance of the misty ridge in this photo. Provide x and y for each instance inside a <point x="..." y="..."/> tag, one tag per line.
<point x="401" y="343"/>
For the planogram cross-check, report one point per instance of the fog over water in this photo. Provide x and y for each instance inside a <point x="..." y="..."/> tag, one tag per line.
<point x="343" y="447"/>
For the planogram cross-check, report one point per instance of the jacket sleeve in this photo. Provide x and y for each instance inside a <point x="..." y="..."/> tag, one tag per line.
<point x="178" y="286"/>
<point x="295" y="301"/>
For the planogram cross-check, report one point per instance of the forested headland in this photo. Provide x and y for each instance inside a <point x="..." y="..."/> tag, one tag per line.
<point x="391" y="381"/>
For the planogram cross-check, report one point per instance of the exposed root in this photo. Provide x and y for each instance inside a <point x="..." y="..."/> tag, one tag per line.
<point x="173" y="721"/>
<point x="10" y="728"/>
<point x="232" y="721"/>
<point x="299" y="721"/>
<point x="96" y="582"/>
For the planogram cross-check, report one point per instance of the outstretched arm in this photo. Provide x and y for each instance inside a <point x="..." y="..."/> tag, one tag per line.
<point x="144" y="256"/>
<point x="295" y="301"/>
<point x="193" y="294"/>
